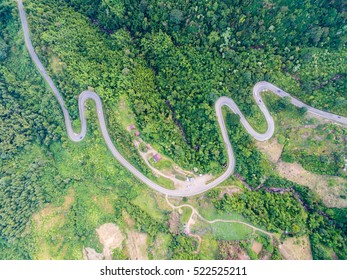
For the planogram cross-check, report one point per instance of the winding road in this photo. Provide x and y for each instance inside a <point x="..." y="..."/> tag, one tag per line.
<point x="222" y="101"/>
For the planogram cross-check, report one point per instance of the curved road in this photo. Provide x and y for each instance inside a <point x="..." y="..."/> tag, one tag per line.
<point x="222" y="101"/>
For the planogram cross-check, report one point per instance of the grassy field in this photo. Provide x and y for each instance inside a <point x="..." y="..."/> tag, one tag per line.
<point x="231" y="231"/>
<point x="210" y="213"/>
<point x="147" y="201"/>
<point x="187" y="212"/>
<point x="159" y="250"/>
<point x="164" y="164"/>
<point x="125" y="114"/>
<point x="164" y="182"/>
<point x="320" y="139"/>
<point x="208" y="247"/>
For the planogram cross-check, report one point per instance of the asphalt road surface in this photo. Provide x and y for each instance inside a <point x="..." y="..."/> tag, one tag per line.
<point x="222" y="101"/>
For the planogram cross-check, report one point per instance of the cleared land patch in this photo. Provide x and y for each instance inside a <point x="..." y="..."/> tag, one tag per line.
<point x="110" y="237"/>
<point x="46" y="222"/>
<point x="296" y="249"/>
<point x="256" y="247"/>
<point x="231" y="231"/>
<point x="271" y="148"/>
<point x="137" y="245"/>
<point x="329" y="188"/>
<point x="47" y="217"/>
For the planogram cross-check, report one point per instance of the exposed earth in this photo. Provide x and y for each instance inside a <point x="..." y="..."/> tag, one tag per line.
<point x="296" y="249"/>
<point x="110" y="237"/>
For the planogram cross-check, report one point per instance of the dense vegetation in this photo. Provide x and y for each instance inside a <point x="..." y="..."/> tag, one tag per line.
<point x="284" y="213"/>
<point x="248" y="158"/>
<point x="29" y="178"/>
<point x="171" y="60"/>
<point x="196" y="52"/>
<point x="326" y="226"/>
<point x="270" y="210"/>
<point x="34" y="171"/>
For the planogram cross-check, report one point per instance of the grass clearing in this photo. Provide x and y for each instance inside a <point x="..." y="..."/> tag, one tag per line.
<point x="208" y="247"/>
<point x="64" y="232"/>
<point x="49" y="229"/>
<point x="147" y="202"/>
<point x="231" y="231"/>
<point x="186" y="213"/>
<point x="60" y="236"/>
<point x="163" y="164"/>
<point x="180" y="177"/>
<point x="331" y="195"/>
<point x="159" y="249"/>
<point x="209" y="212"/>
<point x="166" y="183"/>
<point x="271" y="148"/>
<point x="125" y="115"/>
<point x="296" y="248"/>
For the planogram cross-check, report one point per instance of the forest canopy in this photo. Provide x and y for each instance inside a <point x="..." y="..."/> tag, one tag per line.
<point x="171" y="60"/>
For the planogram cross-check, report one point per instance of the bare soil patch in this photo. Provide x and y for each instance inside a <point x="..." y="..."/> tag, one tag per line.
<point x="91" y="254"/>
<point x="174" y="222"/>
<point x="334" y="256"/>
<point x="318" y="183"/>
<point x="243" y="256"/>
<point x="110" y="237"/>
<point x="137" y="245"/>
<point x="271" y="148"/>
<point x="69" y="199"/>
<point x="256" y="247"/>
<point x="296" y="249"/>
<point x="265" y="256"/>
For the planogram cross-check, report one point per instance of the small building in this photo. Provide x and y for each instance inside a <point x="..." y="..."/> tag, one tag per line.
<point x="137" y="133"/>
<point x="157" y="157"/>
<point x="131" y="127"/>
<point x="148" y="147"/>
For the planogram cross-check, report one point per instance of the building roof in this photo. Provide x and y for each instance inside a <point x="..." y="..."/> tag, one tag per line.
<point x="157" y="157"/>
<point x="132" y="126"/>
<point x="137" y="133"/>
